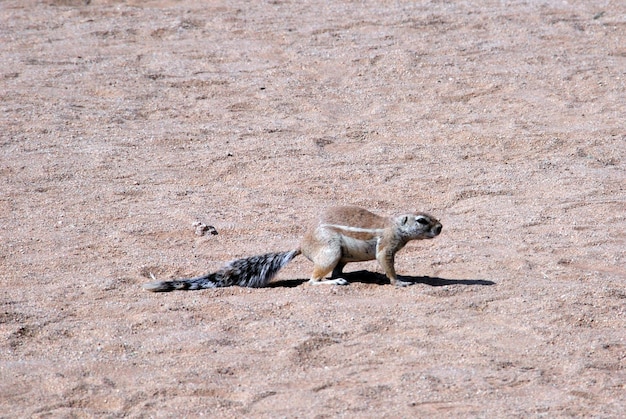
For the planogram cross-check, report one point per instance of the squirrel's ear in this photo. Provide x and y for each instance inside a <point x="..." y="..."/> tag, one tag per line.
<point x="404" y="220"/>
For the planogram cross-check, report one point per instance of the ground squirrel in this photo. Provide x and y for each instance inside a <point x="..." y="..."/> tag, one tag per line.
<point x="341" y="235"/>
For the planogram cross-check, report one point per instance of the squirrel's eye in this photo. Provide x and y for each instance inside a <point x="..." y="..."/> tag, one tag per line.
<point x="423" y="221"/>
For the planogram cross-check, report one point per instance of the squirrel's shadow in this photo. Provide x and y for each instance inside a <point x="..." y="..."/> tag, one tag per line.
<point x="367" y="277"/>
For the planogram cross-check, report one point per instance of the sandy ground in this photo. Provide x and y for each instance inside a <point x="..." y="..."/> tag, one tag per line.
<point x="124" y="123"/>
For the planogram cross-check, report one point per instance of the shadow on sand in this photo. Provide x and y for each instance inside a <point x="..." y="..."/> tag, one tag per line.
<point x="367" y="277"/>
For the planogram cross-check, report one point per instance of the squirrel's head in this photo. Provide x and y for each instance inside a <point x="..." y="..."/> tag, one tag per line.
<point x="419" y="226"/>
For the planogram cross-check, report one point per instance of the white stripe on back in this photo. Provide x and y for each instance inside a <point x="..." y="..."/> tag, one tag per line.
<point x="374" y="231"/>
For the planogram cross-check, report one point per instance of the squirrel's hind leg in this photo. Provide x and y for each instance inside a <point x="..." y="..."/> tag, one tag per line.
<point x="319" y="272"/>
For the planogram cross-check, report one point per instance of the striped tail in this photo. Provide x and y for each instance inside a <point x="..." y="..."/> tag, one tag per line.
<point x="253" y="272"/>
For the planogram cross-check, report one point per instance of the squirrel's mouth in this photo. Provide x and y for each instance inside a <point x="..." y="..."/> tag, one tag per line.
<point x="435" y="231"/>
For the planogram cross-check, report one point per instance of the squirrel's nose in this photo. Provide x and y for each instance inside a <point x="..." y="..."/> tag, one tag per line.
<point x="437" y="229"/>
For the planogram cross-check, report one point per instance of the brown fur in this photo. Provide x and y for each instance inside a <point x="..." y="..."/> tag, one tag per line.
<point x="352" y="234"/>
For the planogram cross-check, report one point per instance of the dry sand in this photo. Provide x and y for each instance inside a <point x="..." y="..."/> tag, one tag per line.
<point x="125" y="122"/>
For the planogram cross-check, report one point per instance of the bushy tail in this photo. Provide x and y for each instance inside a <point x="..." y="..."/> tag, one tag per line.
<point x="254" y="272"/>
